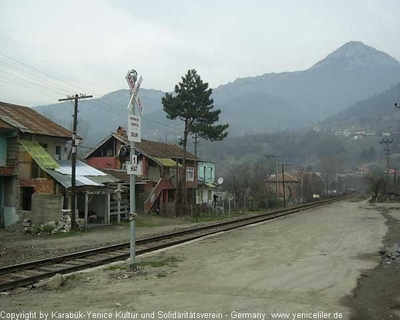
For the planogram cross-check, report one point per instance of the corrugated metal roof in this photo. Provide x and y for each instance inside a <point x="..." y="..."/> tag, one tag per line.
<point x="88" y="182"/>
<point x="41" y="157"/>
<point x="82" y="169"/>
<point x="85" y="175"/>
<point x="65" y="180"/>
<point x="28" y="120"/>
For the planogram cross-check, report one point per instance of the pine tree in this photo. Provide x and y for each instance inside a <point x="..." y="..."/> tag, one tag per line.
<point x="193" y="105"/>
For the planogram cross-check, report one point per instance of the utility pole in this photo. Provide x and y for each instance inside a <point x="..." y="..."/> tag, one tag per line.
<point x="268" y="156"/>
<point x="387" y="152"/>
<point x="283" y="185"/>
<point x="76" y="97"/>
<point x="196" y="142"/>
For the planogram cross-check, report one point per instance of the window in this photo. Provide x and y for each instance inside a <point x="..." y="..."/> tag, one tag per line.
<point x="189" y="174"/>
<point x="44" y="145"/>
<point x="211" y="173"/>
<point x="58" y="152"/>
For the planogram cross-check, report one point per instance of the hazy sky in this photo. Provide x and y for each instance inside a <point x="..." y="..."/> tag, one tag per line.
<point x="92" y="44"/>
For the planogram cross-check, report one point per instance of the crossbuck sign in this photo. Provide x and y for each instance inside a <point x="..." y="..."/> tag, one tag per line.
<point x="134" y="81"/>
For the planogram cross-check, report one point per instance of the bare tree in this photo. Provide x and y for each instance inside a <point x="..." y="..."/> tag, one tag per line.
<point x="238" y="182"/>
<point x="377" y="183"/>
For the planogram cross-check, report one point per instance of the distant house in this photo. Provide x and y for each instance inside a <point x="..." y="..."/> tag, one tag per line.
<point x="346" y="133"/>
<point x="300" y="186"/>
<point x="161" y="170"/>
<point x="284" y="186"/>
<point x="206" y="182"/>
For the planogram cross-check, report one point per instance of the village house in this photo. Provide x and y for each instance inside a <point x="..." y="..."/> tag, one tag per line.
<point x="161" y="166"/>
<point x="24" y="185"/>
<point x="206" y="182"/>
<point x="300" y="186"/>
<point x="285" y="186"/>
<point x="35" y="175"/>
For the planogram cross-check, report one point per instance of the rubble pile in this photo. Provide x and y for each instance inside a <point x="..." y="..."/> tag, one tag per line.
<point x="391" y="255"/>
<point x="63" y="225"/>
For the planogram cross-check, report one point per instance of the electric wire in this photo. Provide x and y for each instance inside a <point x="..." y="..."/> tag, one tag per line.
<point x="100" y="103"/>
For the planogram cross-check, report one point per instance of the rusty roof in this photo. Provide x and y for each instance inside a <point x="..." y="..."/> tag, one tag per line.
<point x="150" y="148"/>
<point x="27" y="120"/>
<point x="163" y="150"/>
<point x="122" y="175"/>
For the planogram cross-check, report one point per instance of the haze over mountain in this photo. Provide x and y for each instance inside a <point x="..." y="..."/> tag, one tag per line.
<point x="377" y="113"/>
<point x="269" y="102"/>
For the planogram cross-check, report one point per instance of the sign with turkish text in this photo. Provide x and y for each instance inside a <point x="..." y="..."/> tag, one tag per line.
<point x="135" y="169"/>
<point x="134" y="128"/>
<point x="139" y="105"/>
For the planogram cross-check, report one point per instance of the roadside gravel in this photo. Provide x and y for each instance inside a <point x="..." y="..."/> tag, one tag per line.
<point x="16" y="247"/>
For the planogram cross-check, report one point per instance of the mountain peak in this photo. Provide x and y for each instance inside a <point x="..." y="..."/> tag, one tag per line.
<point x="355" y="54"/>
<point x="353" y="49"/>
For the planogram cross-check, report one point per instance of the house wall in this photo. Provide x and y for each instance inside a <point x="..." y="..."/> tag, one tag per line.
<point x="103" y="162"/>
<point x="11" y="199"/>
<point x="294" y="186"/>
<point x="3" y="151"/>
<point x="206" y="172"/>
<point x="9" y="210"/>
<point x="12" y="152"/>
<point x="204" y="194"/>
<point x="51" y="142"/>
<point x="154" y="173"/>
<point x="192" y="184"/>
<point x="45" y="208"/>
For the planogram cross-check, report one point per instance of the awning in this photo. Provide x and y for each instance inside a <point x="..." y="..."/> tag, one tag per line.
<point x="210" y="185"/>
<point x="41" y="157"/>
<point x="166" y="162"/>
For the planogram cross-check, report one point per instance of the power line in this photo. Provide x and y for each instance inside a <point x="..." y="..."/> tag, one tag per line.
<point x="57" y="88"/>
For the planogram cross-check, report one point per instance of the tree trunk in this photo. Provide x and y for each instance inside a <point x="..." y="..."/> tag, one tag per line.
<point x="184" y="189"/>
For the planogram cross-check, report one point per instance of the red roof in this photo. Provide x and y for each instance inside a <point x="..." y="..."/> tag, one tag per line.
<point x="27" y="120"/>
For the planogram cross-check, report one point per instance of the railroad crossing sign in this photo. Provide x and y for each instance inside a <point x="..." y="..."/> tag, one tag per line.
<point x="134" y="81"/>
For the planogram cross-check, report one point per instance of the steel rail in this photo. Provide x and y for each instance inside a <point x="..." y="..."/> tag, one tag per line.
<point x="215" y="228"/>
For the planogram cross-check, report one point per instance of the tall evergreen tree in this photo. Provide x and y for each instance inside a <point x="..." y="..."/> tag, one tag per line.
<point x="193" y="105"/>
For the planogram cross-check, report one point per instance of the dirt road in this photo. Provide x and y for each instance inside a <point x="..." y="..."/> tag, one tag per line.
<point x="306" y="263"/>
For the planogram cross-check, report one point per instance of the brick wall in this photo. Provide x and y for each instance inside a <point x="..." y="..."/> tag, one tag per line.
<point x="40" y="186"/>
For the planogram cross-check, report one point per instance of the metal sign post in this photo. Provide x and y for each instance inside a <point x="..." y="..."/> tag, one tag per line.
<point x="134" y="135"/>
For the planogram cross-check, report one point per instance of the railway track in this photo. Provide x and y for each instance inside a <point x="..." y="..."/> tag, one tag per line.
<point x="31" y="272"/>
